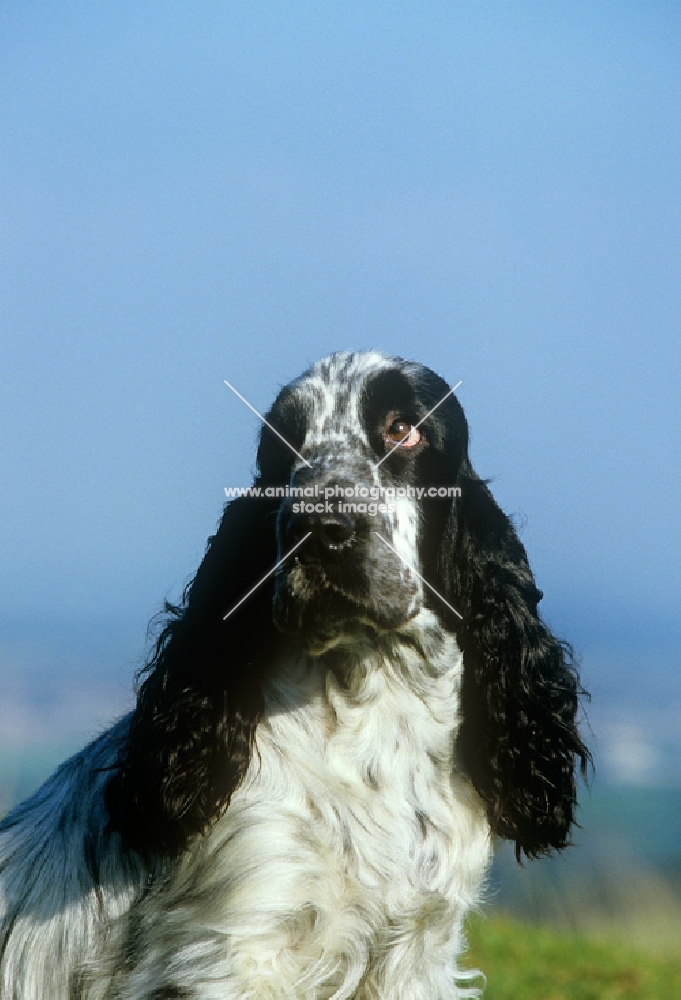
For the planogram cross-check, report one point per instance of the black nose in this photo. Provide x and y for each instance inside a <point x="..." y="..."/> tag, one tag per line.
<point x="329" y="532"/>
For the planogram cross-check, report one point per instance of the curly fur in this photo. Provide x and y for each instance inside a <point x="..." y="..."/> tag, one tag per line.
<point x="303" y="801"/>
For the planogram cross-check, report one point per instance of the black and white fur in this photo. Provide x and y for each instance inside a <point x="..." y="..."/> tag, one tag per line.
<point x="302" y="804"/>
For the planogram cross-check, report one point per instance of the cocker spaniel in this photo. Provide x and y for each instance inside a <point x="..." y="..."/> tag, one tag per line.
<point x="354" y="696"/>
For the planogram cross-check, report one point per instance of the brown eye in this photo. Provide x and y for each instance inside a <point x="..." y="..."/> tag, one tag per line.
<point x="403" y="433"/>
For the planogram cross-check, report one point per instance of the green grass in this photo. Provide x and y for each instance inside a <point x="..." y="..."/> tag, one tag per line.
<point x="529" y="962"/>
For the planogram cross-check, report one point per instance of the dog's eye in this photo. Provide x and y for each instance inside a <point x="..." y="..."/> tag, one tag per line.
<point x="403" y="433"/>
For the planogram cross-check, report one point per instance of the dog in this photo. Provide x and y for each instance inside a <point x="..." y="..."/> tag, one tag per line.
<point x="354" y="697"/>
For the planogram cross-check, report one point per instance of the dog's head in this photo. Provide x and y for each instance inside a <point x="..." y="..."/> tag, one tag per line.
<point x="367" y="510"/>
<point x="357" y="450"/>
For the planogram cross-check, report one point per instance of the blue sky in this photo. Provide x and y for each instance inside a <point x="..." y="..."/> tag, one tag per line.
<point x="194" y="192"/>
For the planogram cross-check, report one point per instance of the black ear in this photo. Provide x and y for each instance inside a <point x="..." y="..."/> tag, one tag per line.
<point x="191" y="733"/>
<point x="520" y="696"/>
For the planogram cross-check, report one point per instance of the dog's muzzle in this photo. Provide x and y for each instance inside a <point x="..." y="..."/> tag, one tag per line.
<point x="339" y="574"/>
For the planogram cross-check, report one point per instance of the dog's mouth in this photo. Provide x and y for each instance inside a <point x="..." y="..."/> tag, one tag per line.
<point x="324" y="608"/>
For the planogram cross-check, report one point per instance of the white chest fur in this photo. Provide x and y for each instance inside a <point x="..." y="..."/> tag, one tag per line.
<point x="347" y="858"/>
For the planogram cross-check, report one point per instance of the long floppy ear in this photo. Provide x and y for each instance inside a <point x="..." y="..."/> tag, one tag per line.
<point x="191" y="733"/>
<point x="520" y="695"/>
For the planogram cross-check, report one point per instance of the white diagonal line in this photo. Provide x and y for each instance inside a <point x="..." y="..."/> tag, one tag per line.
<point x="268" y="424"/>
<point x="389" y="453"/>
<point x="421" y="578"/>
<point x="269" y="573"/>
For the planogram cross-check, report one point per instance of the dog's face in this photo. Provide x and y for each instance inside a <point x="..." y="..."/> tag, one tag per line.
<point x="357" y="511"/>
